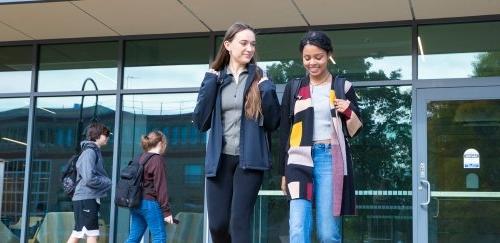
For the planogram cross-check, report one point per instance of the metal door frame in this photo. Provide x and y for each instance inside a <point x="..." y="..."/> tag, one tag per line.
<point x="423" y="92"/>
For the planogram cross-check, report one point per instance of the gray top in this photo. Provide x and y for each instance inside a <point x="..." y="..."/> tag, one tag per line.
<point x="322" y="116"/>
<point x="232" y="109"/>
<point x="92" y="180"/>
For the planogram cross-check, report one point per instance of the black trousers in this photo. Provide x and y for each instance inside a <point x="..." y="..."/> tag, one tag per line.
<point x="231" y="197"/>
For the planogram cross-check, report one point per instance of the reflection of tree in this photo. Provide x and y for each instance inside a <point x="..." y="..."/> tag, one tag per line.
<point x="382" y="153"/>
<point x="487" y="64"/>
<point x="355" y="68"/>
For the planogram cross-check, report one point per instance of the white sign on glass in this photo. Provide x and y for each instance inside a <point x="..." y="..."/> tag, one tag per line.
<point x="471" y="159"/>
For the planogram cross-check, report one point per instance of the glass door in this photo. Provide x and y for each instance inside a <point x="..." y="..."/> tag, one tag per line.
<point x="456" y="163"/>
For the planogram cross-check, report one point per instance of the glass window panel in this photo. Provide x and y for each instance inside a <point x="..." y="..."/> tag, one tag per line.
<point x="382" y="167"/>
<point x="13" y="132"/>
<point x="64" y="67"/>
<point x="172" y="63"/>
<point x="361" y="55"/>
<point x="454" y="128"/>
<point x="47" y="200"/>
<point x="15" y="68"/>
<point x="172" y="114"/>
<point x="459" y="50"/>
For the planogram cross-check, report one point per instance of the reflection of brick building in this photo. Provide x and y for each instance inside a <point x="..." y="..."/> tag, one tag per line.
<point x="13" y="125"/>
<point x="55" y="141"/>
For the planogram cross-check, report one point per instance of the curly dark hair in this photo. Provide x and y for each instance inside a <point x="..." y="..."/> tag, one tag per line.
<point x="316" y="38"/>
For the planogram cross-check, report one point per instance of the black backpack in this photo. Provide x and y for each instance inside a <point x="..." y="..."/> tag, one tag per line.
<point x="69" y="176"/>
<point x="129" y="186"/>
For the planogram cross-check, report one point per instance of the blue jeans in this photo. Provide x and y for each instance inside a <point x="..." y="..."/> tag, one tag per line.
<point x="148" y="214"/>
<point x="328" y="227"/>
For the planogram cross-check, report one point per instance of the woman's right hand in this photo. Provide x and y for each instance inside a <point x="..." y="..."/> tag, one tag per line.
<point x="283" y="185"/>
<point x="213" y="71"/>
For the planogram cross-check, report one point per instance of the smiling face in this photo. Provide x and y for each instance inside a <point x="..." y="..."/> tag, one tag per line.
<point x="315" y="60"/>
<point x="242" y="48"/>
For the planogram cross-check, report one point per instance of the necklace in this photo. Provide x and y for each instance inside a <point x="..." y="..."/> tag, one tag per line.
<point x="322" y="81"/>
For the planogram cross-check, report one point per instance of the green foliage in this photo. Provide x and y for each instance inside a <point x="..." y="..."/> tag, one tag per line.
<point x="382" y="152"/>
<point x="487" y="64"/>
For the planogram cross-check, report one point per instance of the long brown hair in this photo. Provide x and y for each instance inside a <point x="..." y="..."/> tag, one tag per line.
<point x="253" y="101"/>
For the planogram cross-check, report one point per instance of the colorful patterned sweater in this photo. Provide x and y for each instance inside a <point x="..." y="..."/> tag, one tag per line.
<point x="296" y="143"/>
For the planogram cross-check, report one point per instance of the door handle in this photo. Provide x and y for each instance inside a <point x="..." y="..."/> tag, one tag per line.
<point x="426" y="203"/>
<point x="437" y="207"/>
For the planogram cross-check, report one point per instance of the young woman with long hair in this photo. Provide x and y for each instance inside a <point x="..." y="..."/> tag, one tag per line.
<point x="240" y="107"/>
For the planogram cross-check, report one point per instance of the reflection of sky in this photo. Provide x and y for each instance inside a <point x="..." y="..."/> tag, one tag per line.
<point x="160" y="104"/>
<point x="173" y="76"/>
<point x="65" y="80"/>
<point x="14" y="103"/>
<point x="108" y="101"/>
<point x="391" y="63"/>
<point x="15" y="81"/>
<point x="455" y="65"/>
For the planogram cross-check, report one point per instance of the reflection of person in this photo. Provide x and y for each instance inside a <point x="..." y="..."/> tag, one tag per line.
<point x="154" y="209"/>
<point x="93" y="184"/>
<point x="241" y="108"/>
<point x="314" y="152"/>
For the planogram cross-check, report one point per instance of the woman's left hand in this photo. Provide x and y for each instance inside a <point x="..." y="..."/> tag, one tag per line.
<point x="263" y="79"/>
<point x="341" y="105"/>
<point x="169" y="219"/>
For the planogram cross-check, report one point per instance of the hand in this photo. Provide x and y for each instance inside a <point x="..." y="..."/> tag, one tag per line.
<point x="169" y="219"/>
<point x="283" y="185"/>
<point x="263" y="79"/>
<point x="213" y="71"/>
<point x="341" y="105"/>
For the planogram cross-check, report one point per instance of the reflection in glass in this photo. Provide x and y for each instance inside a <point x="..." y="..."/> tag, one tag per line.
<point x="15" y="68"/>
<point x="361" y="55"/>
<point x="382" y="167"/>
<point x="452" y="128"/>
<point x="13" y="132"/>
<point x="64" y="67"/>
<point x="170" y="113"/>
<point x="171" y="63"/>
<point x="455" y="51"/>
<point x="54" y="142"/>
<point x="270" y="219"/>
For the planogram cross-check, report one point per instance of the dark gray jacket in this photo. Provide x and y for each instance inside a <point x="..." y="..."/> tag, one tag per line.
<point x="92" y="180"/>
<point x="254" y="143"/>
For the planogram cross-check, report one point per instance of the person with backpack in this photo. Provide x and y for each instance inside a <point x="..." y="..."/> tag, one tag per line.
<point x="315" y="155"/>
<point x="92" y="184"/>
<point x="241" y="108"/>
<point x="154" y="209"/>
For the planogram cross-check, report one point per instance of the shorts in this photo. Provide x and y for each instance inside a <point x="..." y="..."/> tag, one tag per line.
<point x="86" y="218"/>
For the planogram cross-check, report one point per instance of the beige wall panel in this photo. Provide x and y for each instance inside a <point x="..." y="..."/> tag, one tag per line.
<point x="9" y="34"/>
<point x="52" y="20"/>
<point x="133" y="17"/>
<point x="328" y="12"/>
<point x="431" y="9"/>
<point x="220" y="14"/>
